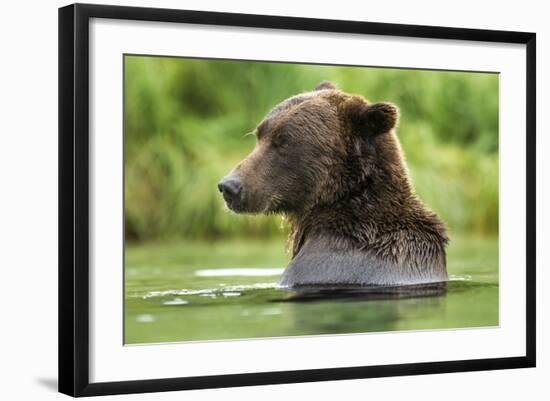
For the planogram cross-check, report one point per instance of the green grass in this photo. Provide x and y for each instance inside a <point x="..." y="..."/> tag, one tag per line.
<point x="185" y="122"/>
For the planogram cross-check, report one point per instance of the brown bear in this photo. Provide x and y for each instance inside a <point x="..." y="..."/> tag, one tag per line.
<point x="332" y="164"/>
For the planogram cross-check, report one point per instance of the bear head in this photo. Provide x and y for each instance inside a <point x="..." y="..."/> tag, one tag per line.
<point x="313" y="149"/>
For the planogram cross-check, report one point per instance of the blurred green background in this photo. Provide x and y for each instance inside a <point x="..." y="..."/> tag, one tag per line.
<point x="185" y="121"/>
<point x="185" y="126"/>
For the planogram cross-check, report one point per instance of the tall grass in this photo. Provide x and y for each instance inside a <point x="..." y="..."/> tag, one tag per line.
<point x="185" y="125"/>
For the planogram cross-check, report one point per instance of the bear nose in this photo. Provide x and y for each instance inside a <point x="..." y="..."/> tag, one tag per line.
<point x="230" y="187"/>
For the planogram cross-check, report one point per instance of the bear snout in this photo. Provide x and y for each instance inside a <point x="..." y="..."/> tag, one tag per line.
<point x="231" y="188"/>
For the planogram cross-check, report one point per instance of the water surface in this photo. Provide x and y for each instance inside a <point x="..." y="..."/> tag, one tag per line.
<point x="170" y="297"/>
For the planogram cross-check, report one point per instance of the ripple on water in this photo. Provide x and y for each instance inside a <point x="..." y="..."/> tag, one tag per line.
<point x="233" y="290"/>
<point x="464" y="277"/>
<point x="175" y="301"/>
<point x="145" y="318"/>
<point x="179" y="297"/>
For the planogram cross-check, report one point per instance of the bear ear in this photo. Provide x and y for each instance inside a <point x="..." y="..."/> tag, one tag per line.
<point x="325" y="85"/>
<point x="370" y="120"/>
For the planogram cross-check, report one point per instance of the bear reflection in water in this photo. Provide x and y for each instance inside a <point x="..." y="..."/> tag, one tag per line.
<point x="348" y="310"/>
<point x="364" y="293"/>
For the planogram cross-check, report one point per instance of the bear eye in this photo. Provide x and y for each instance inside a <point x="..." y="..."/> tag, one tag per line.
<point x="280" y="140"/>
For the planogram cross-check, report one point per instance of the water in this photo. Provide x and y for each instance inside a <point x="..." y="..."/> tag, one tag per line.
<point x="167" y="301"/>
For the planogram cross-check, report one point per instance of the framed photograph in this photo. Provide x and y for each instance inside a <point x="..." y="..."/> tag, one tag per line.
<point x="250" y="199"/>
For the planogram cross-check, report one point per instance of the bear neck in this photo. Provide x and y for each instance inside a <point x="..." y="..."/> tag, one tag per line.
<point x="375" y="209"/>
<point x="357" y="216"/>
<point x="363" y="240"/>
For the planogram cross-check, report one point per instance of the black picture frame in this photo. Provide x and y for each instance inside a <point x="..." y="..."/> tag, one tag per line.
<point x="74" y="198"/>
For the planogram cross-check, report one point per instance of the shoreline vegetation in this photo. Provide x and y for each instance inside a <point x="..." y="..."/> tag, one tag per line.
<point x="186" y="123"/>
